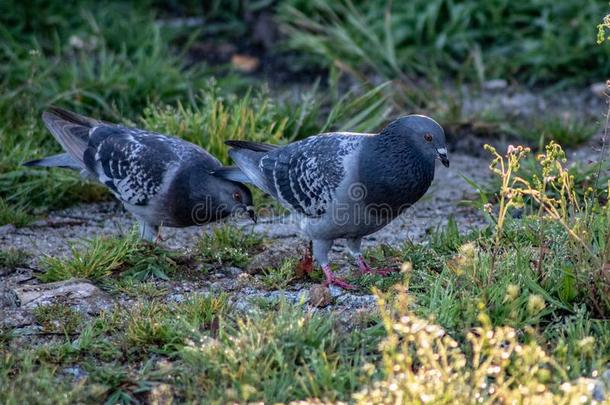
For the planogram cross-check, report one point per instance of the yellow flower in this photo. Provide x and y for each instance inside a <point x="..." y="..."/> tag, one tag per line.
<point x="467" y="250"/>
<point x="535" y="304"/>
<point x="406" y="267"/>
<point x="512" y="292"/>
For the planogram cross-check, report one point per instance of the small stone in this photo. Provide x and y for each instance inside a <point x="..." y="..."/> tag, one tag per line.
<point x="161" y="394"/>
<point x="233" y="271"/>
<point x="599" y="89"/>
<point x="6" y="229"/>
<point x="78" y="294"/>
<point x="599" y="391"/>
<point x="495" y="84"/>
<point x="35" y="295"/>
<point x="319" y="296"/>
<point x="76" y="372"/>
<point x="336" y="291"/>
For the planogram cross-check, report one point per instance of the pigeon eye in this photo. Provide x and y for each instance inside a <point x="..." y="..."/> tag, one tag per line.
<point x="428" y="137"/>
<point x="237" y="196"/>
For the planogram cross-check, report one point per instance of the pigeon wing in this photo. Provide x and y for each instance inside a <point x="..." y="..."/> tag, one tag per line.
<point x="134" y="163"/>
<point x="306" y="174"/>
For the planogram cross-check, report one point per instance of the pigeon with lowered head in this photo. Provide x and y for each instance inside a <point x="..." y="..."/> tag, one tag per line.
<point x="160" y="179"/>
<point x="345" y="185"/>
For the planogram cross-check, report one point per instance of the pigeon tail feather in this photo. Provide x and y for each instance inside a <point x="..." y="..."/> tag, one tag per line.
<point x="231" y="173"/>
<point x="71" y="130"/>
<point x="253" y="146"/>
<point x="61" y="160"/>
<point x="248" y="162"/>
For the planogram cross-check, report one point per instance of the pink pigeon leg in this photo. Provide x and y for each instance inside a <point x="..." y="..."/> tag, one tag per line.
<point x="331" y="279"/>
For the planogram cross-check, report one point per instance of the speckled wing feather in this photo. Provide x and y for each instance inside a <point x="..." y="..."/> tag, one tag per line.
<point x="304" y="175"/>
<point x="134" y="163"/>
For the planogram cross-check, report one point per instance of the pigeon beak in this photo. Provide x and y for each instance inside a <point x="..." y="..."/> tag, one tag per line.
<point x="442" y="155"/>
<point x="251" y="213"/>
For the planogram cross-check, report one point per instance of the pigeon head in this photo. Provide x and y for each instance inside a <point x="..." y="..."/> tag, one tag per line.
<point x="423" y="134"/>
<point x="209" y="198"/>
<point x="234" y="198"/>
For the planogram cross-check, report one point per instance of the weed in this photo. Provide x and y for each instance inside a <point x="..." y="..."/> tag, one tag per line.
<point x="151" y="262"/>
<point x="135" y="289"/>
<point x="279" y="278"/>
<point x="151" y="325"/>
<point x="422" y="362"/>
<point x="58" y="318"/>
<point x="13" y="258"/>
<point x="215" y="117"/>
<point x="11" y="214"/>
<point x="228" y="245"/>
<point x="201" y="311"/>
<point x="22" y="380"/>
<point x="275" y="357"/>
<point x="552" y="197"/>
<point x="566" y="130"/>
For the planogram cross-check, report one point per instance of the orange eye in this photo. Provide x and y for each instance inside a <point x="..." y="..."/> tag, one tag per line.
<point x="428" y="137"/>
<point x="237" y="196"/>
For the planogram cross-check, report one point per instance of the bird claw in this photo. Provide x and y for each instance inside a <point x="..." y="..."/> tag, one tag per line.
<point x="332" y="280"/>
<point x="365" y="269"/>
<point x="339" y="283"/>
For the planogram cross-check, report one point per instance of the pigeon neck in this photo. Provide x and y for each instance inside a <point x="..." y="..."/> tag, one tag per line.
<point x="394" y="171"/>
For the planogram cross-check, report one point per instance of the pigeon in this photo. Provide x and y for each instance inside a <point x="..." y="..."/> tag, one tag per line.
<point x="342" y="184"/>
<point x="160" y="179"/>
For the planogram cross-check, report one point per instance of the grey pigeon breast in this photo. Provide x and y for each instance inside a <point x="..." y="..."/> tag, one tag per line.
<point x="306" y="174"/>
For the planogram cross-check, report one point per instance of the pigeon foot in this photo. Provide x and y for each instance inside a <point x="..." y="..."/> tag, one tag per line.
<point x="331" y="279"/>
<point x="365" y="268"/>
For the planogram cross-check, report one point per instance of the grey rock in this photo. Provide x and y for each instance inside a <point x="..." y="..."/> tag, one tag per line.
<point x="8" y="298"/>
<point x="599" y="89"/>
<point x="273" y="256"/>
<point x="77" y="293"/>
<point x="496" y="84"/>
<point x="6" y="229"/>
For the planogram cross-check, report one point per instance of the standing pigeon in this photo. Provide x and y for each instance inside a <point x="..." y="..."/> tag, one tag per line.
<point x="345" y="185"/>
<point x="161" y="180"/>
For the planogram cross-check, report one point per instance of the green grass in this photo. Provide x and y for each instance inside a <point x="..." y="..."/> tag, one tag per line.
<point x="279" y="278"/>
<point x="567" y="130"/>
<point x="526" y="41"/>
<point x="12" y="214"/>
<point x="127" y="257"/>
<point x="58" y="318"/>
<point x="228" y="245"/>
<point x="12" y="258"/>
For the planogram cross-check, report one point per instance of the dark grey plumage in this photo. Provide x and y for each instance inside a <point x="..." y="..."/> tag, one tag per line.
<point x="160" y="179"/>
<point x="345" y="185"/>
